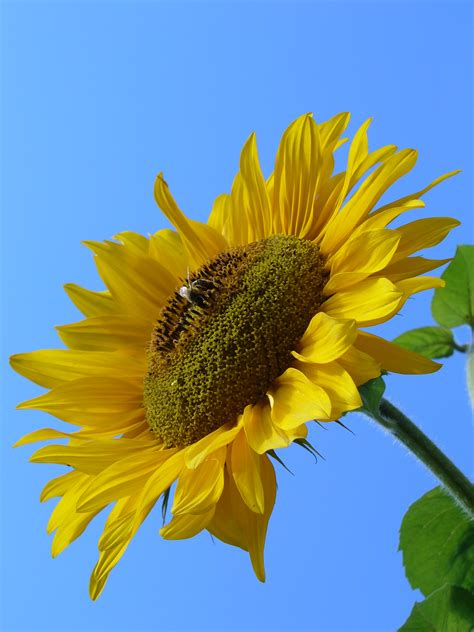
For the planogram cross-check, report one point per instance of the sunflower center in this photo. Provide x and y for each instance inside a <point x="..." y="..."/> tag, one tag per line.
<point x="226" y="334"/>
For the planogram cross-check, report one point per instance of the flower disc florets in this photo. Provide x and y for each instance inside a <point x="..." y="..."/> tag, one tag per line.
<point x="228" y="333"/>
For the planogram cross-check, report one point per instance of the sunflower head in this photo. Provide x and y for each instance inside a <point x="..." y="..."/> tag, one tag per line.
<point x="213" y="345"/>
<point x="231" y="334"/>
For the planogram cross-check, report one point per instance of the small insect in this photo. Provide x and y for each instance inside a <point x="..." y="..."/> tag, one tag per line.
<point x="197" y="291"/>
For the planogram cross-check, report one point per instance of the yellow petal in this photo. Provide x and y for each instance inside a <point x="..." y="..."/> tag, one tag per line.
<point x="377" y="221"/>
<point x="369" y="160"/>
<point x="163" y="478"/>
<point x="66" y="507"/>
<point x="119" y="532"/>
<point x="58" y="486"/>
<point x="134" y="242"/>
<point x="364" y="254"/>
<point x="395" y="358"/>
<point x="186" y="526"/>
<point x="137" y="282"/>
<point x="297" y="175"/>
<point x="337" y="383"/>
<point x="364" y="199"/>
<point x="227" y="523"/>
<point x="92" y="303"/>
<point x="358" y="151"/>
<point x="261" y="433"/>
<point x="329" y="134"/>
<point x="295" y="399"/>
<point x="418" y="194"/>
<point x="201" y="241"/>
<point x="245" y="215"/>
<point x="360" y="366"/>
<point x="123" y="522"/>
<point x="42" y="435"/>
<point x="246" y="472"/>
<point x="118" y="524"/>
<point x="237" y="228"/>
<point x="107" y="333"/>
<point x="368" y="253"/>
<point x="51" y="367"/>
<point x="218" y="216"/>
<point x="91" y="457"/>
<point x="370" y="302"/>
<point x="325" y="339"/>
<point x="127" y="427"/>
<point x="236" y="524"/>
<point x="343" y="281"/>
<point x="199" y="489"/>
<point x="411" y="267"/>
<point x="423" y="233"/>
<point x="70" y="530"/>
<point x="257" y="523"/>
<point x="256" y="200"/>
<point x="418" y="284"/>
<point x="166" y="247"/>
<point x="90" y="401"/>
<point x="125" y="477"/>
<point x="197" y="452"/>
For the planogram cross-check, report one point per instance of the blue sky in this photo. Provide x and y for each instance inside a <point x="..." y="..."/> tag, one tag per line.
<point x="99" y="97"/>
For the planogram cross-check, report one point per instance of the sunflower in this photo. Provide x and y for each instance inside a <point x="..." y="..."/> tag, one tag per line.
<point x="214" y="344"/>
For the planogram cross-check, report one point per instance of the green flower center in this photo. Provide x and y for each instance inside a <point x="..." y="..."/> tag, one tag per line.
<point x="225" y="335"/>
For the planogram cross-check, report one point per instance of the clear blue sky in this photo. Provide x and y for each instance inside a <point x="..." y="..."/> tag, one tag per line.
<point x="98" y="97"/>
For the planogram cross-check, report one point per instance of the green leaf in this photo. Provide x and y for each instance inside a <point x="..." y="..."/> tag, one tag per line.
<point x="448" y="609"/>
<point x="453" y="305"/>
<point x="431" y="342"/>
<point x="437" y="541"/>
<point x="371" y="393"/>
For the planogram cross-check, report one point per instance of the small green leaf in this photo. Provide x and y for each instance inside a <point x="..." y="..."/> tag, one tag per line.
<point x="371" y="393"/>
<point x="453" y="305"/>
<point x="431" y="342"/>
<point x="437" y="541"/>
<point x="448" y="609"/>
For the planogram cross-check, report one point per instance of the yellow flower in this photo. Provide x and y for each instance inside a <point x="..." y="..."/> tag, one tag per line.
<point x="213" y="345"/>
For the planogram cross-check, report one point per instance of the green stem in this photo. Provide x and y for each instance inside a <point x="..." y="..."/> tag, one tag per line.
<point x="458" y="485"/>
